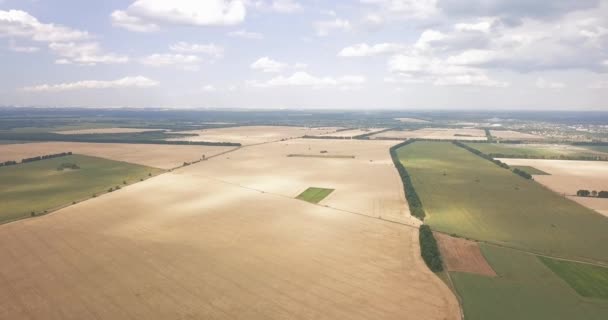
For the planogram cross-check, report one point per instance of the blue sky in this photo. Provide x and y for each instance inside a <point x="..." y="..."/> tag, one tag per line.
<point x="364" y="54"/>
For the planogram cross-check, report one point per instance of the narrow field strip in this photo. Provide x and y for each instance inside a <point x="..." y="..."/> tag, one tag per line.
<point x="314" y="195"/>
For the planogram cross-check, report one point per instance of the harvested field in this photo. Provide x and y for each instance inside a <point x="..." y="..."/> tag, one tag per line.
<point x="514" y="135"/>
<point x="567" y="177"/>
<point x="435" y="134"/>
<point x="411" y="120"/>
<point x="368" y="184"/>
<point x="185" y="246"/>
<point x="158" y="156"/>
<point x="321" y="156"/>
<point x="105" y="130"/>
<point x="461" y="255"/>
<point x="253" y="134"/>
<point x="352" y="133"/>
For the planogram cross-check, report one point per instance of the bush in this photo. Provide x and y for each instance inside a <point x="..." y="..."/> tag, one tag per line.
<point x="429" y="249"/>
<point x="522" y="174"/>
<point x="583" y="193"/>
<point x="602" y="194"/>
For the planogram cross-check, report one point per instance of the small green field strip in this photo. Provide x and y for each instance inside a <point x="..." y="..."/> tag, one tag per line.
<point x="588" y="280"/>
<point x="314" y="195"/>
<point x="531" y="170"/>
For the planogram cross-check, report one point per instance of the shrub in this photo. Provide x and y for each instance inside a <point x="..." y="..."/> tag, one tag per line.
<point x="583" y="193"/>
<point x="429" y="249"/>
<point x="522" y="174"/>
<point x="602" y="194"/>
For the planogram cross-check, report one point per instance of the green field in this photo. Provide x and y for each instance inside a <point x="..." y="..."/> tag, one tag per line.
<point x="603" y="149"/>
<point x="314" y="195"/>
<point x="588" y="280"/>
<point x="39" y="186"/>
<point x="524" y="289"/>
<point x="530" y="170"/>
<point x="538" y="151"/>
<point x="466" y="195"/>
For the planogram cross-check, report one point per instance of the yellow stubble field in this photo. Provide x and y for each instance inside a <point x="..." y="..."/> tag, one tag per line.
<point x="196" y="243"/>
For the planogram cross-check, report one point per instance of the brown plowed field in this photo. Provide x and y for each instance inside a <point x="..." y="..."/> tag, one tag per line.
<point x="461" y="255"/>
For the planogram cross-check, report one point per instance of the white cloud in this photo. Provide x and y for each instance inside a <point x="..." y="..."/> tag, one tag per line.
<point x="127" y="82"/>
<point x="416" y="9"/>
<point x="209" y="88"/>
<point x="123" y="20"/>
<point x="266" y="64"/>
<point x="365" y="50"/>
<point x="187" y="62"/>
<point x="17" y="23"/>
<point x="482" y="25"/>
<point x="286" y="6"/>
<point x="542" y="83"/>
<point x="183" y="12"/>
<point x="304" y="79"/>
<point x="599" y="85"/>
<point x="12" y="45"/>
<point x="323" y="28"/>
<point x="208" y="49"/>
<point x="86" y="53"/>
<point x="437" y="71"/>
<point x="246" y="35"/>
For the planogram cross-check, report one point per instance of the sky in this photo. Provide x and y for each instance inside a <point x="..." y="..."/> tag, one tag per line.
<point x="359" y="54"/>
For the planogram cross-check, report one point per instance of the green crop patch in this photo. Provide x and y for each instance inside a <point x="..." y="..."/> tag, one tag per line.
<point x="588" y="280"/>
<point x="524" y="289"/>
<point x="314" y="195"/>
<point x="531" y="170"/>
<point x="32" y="188"/>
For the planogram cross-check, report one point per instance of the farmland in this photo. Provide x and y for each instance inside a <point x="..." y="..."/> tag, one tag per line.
<point x="158" y="156"/>
<point x="253" y="134"/>
<point x="225" y="238"/>
<point x="588" y="280"/>
<point x="524" y="289"/>
<point x="435" y="134"/>
<point x="540" y="151"/>
<point x="470" y="196"/>
<point x="39" y="186"/>
<point x="314" y="195"/>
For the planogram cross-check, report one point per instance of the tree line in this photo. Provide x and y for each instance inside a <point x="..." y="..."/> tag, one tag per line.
<point x="595" y="194"/>
<point x="416" y="208"/>
<point x="481" y="154"/>
<point x="38" y="158"/>
<point x="429" y="249"/>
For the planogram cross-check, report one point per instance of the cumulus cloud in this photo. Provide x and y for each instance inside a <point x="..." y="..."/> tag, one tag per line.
<point x="246" y="34"/>
<point x="439" y="71"/>
<point x="208" y="49"/>
<point x="187" y="62"/>
<point x="285" y="6"/>
<point x="122" y="19"/>
<point x="365" y="50"/>
<point x="266" y="64"/>
<point x="324" y="28"/>
<point x="126" y="82"/>
<point x="304" y="79"/>
<point x="13" y="46"/>
<point x="143" y="15"/>
<point x="84" y="53"/>
<point x="17" y="23"/>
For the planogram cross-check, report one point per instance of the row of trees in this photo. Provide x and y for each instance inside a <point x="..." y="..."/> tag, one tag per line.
<point x="429" y="249"/>
<point x="587" y="193"/>
<point x="522" y="174"/>
<point x="48" y="156"/>
<point x="416" y="208"/>
<point x="38" y="158"/>
<point x="481" y="154"/>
